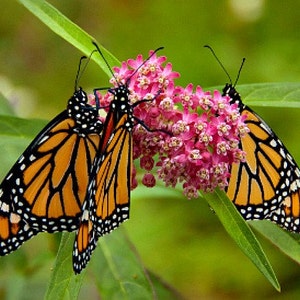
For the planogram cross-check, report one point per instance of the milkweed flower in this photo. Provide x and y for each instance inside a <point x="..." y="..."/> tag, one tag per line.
<point x="185" y="135"/>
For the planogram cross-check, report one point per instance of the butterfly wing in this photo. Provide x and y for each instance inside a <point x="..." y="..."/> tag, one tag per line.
<point x="47" y="185"/>
<point x="85" y="240"/>
<point x="14" y="231"/>
<point x="267" y="184"/>
<point x="108" y="196"/>
<point x="111" y="193"/>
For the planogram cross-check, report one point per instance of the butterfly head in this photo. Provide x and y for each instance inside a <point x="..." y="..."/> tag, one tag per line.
<point x="121" y="93"/>
<point x="230" y="91"/>
<point x="85" y="116"/>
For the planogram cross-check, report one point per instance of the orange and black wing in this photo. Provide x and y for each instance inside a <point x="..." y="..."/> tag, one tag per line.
<point x="111" y="193"/>
<point x="267" y="184"/>
<point x="85" y="240"/>
<point x="45" y="189"/>
<point x="14" y="230"/>
<point x="108" y="196"/>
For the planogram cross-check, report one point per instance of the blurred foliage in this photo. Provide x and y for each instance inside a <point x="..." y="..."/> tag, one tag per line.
<point x="180" y="241"/>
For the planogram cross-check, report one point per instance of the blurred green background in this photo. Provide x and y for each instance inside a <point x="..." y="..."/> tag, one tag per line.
<point x="179" y="240"/>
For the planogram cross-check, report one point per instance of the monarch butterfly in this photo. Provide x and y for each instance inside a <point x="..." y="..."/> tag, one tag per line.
<point x="108" y="196"/>
<point x="267" y="184"/>
<point x="46" y="187"/>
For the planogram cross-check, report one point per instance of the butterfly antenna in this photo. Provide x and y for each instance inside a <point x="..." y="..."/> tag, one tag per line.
<point x="78" y="75"/>
<point x="239" y="72"/>
<point x="136" y="70"/>
<point x="106" y="62"/>
<point x="220" y="63"/>
<point x="80" y="70"/>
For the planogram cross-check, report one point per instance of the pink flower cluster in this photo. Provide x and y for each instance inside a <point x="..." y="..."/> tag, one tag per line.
<point x="194" y="135"/>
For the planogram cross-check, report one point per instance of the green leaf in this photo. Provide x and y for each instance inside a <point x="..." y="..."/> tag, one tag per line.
<point x="5" y="107"/>
<point x="286" y="242"/>
<point x="69" y="31"/>
<point x="163" y="289"/>
<point x="279" y="94"/>
<point x="15" y="135"/>
<point x="64" y="284"/>
<point x="116" y="268"/>
<point x="118" y="271"/>
<point x="241" y="233"/>
<point x="19" y="127"/>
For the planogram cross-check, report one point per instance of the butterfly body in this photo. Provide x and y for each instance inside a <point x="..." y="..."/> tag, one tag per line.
<point x="267" y="184"/>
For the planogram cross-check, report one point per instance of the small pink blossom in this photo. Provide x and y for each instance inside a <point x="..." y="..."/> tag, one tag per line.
<point x="149" y="180"/>
<point x="147" y="163"/>
<point x="183" y="145"/>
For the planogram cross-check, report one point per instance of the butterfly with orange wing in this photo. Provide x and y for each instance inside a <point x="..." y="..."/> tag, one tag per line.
<point x="108" y="196"/>
<point x="45" y="189"/>
<point x="267" y="184"/>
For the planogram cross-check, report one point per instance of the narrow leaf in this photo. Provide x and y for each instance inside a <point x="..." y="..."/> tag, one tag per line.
<point x="15" y="135"/>
<point x="69" y="31"/>
<point x="5" y="106"/>
<point x="118" y="270"/>
<point x="279" y="94"/>
<point x="241" y="233"/>
<point x="64" y="284"/>
<point x="285" y="241"/>
<point x="19" y="127"/>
